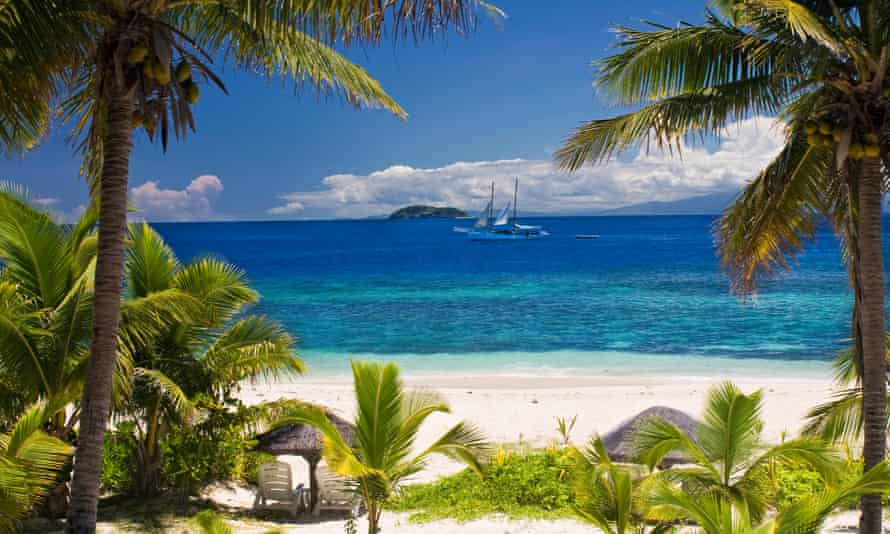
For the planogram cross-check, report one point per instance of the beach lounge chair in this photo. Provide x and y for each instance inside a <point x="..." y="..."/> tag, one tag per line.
<point x="333" y="495"/>
<point x="276" y="490"/>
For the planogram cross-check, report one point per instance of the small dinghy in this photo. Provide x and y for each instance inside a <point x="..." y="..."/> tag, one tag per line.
<point x="586" y="236"/>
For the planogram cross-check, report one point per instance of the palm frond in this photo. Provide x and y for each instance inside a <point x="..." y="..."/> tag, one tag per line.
<point x="29" y="464"/>
<point x="33" y="249"/>
<point x="464" y="443"/>
<point x="362" y="21"/>
<point x="770" y="221"/>
<point x="220" y="287"/>
<point x="662" y="62"/>
<point x="839" y="419"/>
<point x="151" y="263"/>
<point x="730" y="430"/>
<point x="254" y="347"/>
<point x="283" y="50"/>
<point x="168" y="389"/>
<point x="378" y="393"/>
<point x="666" y="123"/>
<point x="657" y="437"/>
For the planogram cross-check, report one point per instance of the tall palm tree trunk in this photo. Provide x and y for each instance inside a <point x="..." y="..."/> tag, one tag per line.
<point x="874" y="381"/>
<point x="106" y="310"/>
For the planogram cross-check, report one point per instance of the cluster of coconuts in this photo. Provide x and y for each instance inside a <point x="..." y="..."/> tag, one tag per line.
<point x="155" y="69"/>
<point x="823" y="133"/>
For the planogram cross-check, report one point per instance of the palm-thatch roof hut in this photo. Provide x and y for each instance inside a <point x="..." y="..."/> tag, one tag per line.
<point x="620" y="441"/>
<point x="305" y="441"/>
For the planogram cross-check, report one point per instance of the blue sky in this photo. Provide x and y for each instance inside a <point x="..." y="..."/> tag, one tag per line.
<point x="509" y="93"/>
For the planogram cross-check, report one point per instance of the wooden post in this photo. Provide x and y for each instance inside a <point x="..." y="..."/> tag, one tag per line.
<point x="313" y="482"/>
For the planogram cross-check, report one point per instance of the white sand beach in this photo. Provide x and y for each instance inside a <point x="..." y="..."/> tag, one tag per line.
<point x="523" y="407"/>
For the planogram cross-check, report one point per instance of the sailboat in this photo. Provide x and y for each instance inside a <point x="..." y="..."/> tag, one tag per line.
<point x="505" y="226"/>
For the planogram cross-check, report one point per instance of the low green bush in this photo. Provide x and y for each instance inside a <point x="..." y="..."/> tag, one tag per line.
<point x="119" y="459"/>
<point x="518" y="484"/>
<point x="796" y="482"/>
<point x="190" y="460"/>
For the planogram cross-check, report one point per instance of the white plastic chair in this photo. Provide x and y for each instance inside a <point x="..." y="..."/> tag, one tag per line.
<point x="333" y="495"/>
<point x="276" y="490"/>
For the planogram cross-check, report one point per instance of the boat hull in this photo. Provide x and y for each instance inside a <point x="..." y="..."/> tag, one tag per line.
<point x="504" y="236"/>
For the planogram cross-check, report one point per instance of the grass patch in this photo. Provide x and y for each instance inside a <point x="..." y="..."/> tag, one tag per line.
<point x="524" y="484"/>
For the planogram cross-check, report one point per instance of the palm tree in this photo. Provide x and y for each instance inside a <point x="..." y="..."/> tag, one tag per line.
<point x="387" y="421"/>
<point x="713" y="514"/>
<point x="46" y="310"/>
<point x="607" y="495"/>
<point x="44" y="306"/>
<point x="822" y="68"/>
<point x="728" y="456"/>
<point x="29" y="463"/>
<point x="205" y="355"/>
<point x="119" y="65"/>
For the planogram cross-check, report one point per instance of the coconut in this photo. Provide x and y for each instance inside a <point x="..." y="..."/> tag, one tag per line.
<point x="137" y="54"/>
<point x="870" y="138"/>
<point x="814" y="139"/>
<point x="810" y="128"/>
<point x="824" y="128"/>
<point x="192" y="92"/>
<point x="872" y="151"/>
<point x="183" y="72"/>
<point x="162" y="73"/>
<point x="836" y="135"/>
<point x="148" y="69"/>
<point x="856" y="151"/>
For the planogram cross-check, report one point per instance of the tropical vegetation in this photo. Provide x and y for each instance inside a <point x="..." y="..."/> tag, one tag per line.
<point x="199" y="361"/>
<point x="388" y="418"/>
<point x="185" y="345"/>
<point x="110" y="68"/>
<point x="30" y="461"/>
<point x="518" y="482"/>
<point x="821" y="67"/>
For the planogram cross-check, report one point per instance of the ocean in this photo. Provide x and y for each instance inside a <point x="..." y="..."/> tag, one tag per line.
<point x="647" y="297"/>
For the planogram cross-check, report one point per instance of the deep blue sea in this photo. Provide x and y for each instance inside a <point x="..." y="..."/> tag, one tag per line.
<point x="647" y="296"/>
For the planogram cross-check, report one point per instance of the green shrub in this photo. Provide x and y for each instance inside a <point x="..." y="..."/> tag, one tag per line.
<point x="795" y="482"/>
<point x="119" y="459"/>
<point x="533" y="485"/>
<point x="190" y="460"/>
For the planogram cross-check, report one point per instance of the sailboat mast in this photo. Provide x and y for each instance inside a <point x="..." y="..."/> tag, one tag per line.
<point x="515" y="199"/>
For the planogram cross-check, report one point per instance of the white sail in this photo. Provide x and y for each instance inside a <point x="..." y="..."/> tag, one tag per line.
<point x="483" y="219"/>
<point x="504" y="217"/>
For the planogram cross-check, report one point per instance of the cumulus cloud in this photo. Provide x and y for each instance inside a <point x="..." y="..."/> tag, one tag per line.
<point x="744" y="149"/>
<point x="194" y="202"/>
<point x="46" y="201"/>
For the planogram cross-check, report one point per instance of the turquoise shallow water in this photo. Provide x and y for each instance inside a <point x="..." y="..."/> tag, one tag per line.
<point x="647" y="296"/>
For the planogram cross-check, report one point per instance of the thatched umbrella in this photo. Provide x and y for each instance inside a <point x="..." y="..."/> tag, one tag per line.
<point x="305" y="441"/>
<point x="620" y="443"/>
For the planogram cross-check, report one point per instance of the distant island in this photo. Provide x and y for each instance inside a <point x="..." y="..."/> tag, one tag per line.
<point x="426" y="212"/>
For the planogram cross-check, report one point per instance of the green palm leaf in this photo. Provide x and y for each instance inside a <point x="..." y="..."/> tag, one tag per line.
<point x="29" y="463"/>
<point x="774" y="215"/>
<point x="220" y="287"/>
<point x="254" y="347"/>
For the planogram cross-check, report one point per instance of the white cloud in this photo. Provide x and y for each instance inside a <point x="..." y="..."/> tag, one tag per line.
<point x="46" y="201"/>
<point x="195" y="202"/>
<point x="743" y="151"/>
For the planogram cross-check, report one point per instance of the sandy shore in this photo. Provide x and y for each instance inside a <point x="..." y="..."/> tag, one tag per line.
<point x="514" y="408"/>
